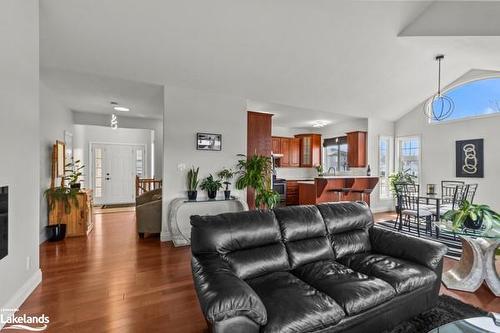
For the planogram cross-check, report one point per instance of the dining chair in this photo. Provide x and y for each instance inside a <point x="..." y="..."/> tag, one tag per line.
<point x="410" y="208"/>
<point x="448" y="188"/>
<point x="471" y="192"/>
<point x="459" y="195"/>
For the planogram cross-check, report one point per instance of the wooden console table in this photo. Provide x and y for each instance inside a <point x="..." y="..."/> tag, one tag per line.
<point x="80" y="221"/>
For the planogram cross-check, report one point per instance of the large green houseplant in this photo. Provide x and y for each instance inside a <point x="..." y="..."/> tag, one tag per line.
<point x="400" y="177"/>
<point x="473" y="216"/>
<point x="256" y="172"/>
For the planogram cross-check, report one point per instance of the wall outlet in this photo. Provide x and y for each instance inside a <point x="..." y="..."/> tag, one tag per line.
<point x="28" y="263"/>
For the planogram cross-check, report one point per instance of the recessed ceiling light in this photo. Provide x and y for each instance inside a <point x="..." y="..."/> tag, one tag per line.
<point x="121" y="108"/>
<point x="320" y="123"/>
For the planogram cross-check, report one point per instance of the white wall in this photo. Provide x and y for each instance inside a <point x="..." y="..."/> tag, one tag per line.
<point x="20" y="148"/>
<point x="54" y="120"/>
<point x="87" y="118"/>
<point x="84" y="135"/>
<point x="438" y="150"/>
<point x="376" y="128"/>
<point x="341" y="128"/>
<point x="190" y="111"/>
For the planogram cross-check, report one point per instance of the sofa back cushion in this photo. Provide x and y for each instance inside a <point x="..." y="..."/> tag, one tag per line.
<point x="304" y="234"/>
<point x="249" y="241"/>
<point x="347" y="224"/>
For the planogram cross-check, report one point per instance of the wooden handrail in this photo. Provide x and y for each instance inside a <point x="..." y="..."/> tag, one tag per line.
<point x="143" y="185"/>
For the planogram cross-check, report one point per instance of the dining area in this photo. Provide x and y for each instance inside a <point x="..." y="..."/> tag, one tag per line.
<point x="449" y="215"/>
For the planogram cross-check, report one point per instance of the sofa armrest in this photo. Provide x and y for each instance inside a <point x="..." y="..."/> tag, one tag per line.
<point x="222" y="294"/>
<point x="395" y="244"/>
<point x="148" y="217"/>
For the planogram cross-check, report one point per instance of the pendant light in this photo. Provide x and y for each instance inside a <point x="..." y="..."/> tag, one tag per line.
<point x="440" y="106"/>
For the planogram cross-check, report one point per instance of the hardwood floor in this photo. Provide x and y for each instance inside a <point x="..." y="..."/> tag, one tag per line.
<point x="114" y="282"/>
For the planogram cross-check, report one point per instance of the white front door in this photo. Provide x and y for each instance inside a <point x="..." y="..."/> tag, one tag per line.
<point x="115" y="168"/>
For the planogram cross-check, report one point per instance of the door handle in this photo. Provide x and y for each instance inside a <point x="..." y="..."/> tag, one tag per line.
<point x="107" y="178"/>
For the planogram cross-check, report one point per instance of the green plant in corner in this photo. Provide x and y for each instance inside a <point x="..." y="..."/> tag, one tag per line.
<point x="474" y="217"/>
<point x="65" y="195"/>
<point x="255" y="172"/>
<point x="402" y="176"/>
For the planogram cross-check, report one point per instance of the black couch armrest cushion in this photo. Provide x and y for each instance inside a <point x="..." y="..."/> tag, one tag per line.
<point x="222" y="294"/>
<point x="418" y="250"/>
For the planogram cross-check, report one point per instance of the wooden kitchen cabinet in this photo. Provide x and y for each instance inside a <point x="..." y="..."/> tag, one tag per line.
<point x="80" y="219"/>
<point x="356" y="149"/>
<point x="294" y="152"/>
<point x="310" y="150"/>
<point x="285" y="150"/>
<point x="276" y="145"/>
<point x="292" y="192"/>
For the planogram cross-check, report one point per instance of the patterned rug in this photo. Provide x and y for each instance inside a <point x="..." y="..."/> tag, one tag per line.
<point x="447" y="310"/>
<point x="454" y="245"/>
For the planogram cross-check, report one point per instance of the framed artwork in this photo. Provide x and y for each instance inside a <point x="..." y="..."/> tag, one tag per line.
<point x="470" y="158"/>
<point x="208" y="141"/>
<point x="60" y="158"/>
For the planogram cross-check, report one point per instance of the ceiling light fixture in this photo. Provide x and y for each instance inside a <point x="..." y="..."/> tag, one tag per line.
<point x="320" y="123"/>
<point x="440" y="106"/>
<point x="117" y="107"/>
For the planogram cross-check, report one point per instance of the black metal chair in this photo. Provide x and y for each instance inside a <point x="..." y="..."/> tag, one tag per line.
<point x="448" y="188"/>
<point x="471" y="192"/>
<point x="409" y="203"/>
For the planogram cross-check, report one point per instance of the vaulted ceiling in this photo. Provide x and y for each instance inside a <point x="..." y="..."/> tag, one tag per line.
<point x="357" y="58"/>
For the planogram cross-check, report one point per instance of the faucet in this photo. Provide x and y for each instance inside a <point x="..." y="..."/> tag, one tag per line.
<point x="330" y="169"/>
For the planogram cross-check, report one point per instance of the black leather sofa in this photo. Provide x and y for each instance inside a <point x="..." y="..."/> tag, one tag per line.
<point x="322" y="268"/>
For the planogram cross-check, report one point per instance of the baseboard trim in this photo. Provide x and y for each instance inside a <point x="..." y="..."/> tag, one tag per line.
<point x="22" y="294"/>
<point x="165" y="236"/>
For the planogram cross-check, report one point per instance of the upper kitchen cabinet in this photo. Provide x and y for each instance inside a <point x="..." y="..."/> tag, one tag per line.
<point x="294" y="152"/>
<point x="356" y="154"/>
<point x="310" y="149"/>
<point x="282" y="146"/>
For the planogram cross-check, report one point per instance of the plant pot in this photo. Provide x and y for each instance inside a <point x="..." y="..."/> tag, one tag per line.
<point x="227" y="194"/>
<point x="192" y="195"/>
<point x="212" y="194"/>
<point x="57" y="232"/>
<point x="76" y="186"/>
<point x="471" y="224"/>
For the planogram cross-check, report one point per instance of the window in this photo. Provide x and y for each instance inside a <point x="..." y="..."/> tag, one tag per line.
<point x="475" y="99"/>
<point x="98" y="172"/>
<point x="139" y="162"/>
<point x="408" y="158"/>
<point x="335" y="153"/>
<point x="385" y="167"/>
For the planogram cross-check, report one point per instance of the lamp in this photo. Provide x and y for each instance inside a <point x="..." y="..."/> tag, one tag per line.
<point x="440" y="106"/>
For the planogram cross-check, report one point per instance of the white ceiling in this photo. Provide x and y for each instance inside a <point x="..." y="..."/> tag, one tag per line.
<point x="93" y="93"/>
<point x="344" y="57"/>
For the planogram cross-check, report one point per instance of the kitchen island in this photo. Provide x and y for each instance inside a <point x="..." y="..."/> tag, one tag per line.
<point x="336" y="188"/>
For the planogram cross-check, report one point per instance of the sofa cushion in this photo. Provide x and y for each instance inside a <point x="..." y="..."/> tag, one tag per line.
<point x="294" y="306"/>
<point x="347" y="224"/>
<point x="249" y="241"/>
<point x="354" y="291"/>
<point x="403" y="275"/>
<point x="304" y="234"/>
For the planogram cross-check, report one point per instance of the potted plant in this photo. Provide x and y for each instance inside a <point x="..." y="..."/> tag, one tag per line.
<point x="319" y="169"/>
<point x="63" y="196"/>
<point x="402" y="176"/>
<point x="73" y="171"/>
<point x="472" y="216"/>
<point x="192" y="182"/>
<point x="211" y="185"/>
<point x="255" y="172"/>
<point x="226" y="175"/>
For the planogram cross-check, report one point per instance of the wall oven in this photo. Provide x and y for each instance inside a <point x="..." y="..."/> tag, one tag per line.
<point x="279" y="185"/>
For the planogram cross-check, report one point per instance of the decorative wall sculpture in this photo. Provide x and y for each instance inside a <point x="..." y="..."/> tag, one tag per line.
<point x="470" y="158"/>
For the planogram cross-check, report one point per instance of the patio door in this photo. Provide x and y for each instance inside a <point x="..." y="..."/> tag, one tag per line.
<point x="114" y="169"/>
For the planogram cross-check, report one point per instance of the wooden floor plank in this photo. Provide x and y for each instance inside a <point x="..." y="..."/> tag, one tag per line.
<point x="113" y="281"/>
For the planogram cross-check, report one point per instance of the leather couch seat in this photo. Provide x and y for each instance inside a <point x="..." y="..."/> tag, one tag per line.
<point x="402" y="275"/>
<point x="354" y="291"/>
<point x="293" y="305"/>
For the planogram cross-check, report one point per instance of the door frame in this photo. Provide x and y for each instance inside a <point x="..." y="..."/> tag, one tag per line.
<point x="91" y="163"/>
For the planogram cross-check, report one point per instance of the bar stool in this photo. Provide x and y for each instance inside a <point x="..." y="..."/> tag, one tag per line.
<point x="364" y="193"/>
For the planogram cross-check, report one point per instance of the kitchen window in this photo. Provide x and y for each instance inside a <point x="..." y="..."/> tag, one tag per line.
<point x="335" y="153"/>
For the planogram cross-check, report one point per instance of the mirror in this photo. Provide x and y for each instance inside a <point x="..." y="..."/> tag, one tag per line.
<point x="60" y="158"/>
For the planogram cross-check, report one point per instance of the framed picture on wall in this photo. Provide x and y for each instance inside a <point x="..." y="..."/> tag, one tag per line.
<point x="208" y="141"/>
<point x="470" y="158"/>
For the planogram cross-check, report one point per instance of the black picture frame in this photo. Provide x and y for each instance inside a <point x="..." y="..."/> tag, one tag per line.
<point x="209" y="141"/>
<point x="469" y="156"/>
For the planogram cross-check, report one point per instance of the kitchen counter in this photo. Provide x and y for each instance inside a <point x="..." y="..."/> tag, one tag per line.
<point x="336" y="188"/>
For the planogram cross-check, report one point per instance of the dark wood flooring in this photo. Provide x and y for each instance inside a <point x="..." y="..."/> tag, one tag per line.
<point x="113" y="281"/>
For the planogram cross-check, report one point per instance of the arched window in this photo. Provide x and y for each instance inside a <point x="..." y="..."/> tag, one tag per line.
<point x="475" y="98"/>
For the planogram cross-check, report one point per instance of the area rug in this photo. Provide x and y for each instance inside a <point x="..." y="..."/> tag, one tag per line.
<point x="448" y="309"/>
<point x="453" y="243"/>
